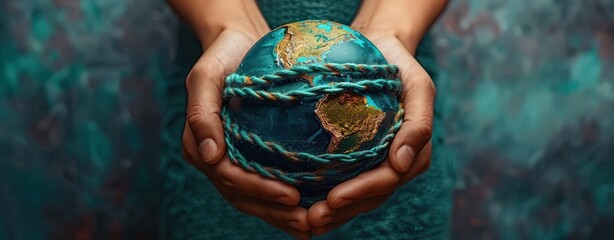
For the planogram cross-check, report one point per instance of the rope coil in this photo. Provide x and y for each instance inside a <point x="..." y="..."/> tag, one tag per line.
<point x="242" y="86"/>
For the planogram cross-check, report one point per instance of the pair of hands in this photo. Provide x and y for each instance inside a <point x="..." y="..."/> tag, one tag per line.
<point x="275" y="202"/>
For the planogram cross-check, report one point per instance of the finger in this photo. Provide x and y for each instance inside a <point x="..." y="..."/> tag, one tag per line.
<point x="230" y="177"/>
<point x="254" y="185"/>
<point x="301" y="235"/>
<point x="418" y="97"/>
<point x="291" y="228"/>
<point x="290" y="221"/>
<point x="204" y="86"/>
<point x="321" y="214"/>
<point x="379" y="181"/>
<point x="281" y="216"/>
<point x="189" y="150"/>
<point x="319" y="231"/>
<point x="421" y="165"/>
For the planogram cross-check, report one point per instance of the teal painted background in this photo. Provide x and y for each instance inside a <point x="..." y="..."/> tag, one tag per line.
<point x="528" y="88"/>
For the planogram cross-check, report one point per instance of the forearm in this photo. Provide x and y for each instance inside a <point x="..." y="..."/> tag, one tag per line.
<point x="209" y="18"/>
<point x="408" y="20"/>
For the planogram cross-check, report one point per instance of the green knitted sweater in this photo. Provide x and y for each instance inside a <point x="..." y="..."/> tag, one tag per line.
<point x="194" y="210"/>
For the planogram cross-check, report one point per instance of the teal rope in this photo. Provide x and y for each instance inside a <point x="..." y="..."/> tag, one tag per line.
<point x="360" y="86"/>
<point x="284" y="75"/>
<point x="242" y="86"/>
<point x="232" y="132"/>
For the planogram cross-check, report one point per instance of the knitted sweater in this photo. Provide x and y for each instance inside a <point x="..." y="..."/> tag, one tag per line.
<point x="193" y="209"/>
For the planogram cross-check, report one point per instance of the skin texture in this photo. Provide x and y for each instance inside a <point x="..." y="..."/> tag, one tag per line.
<point x="394" y="26"/>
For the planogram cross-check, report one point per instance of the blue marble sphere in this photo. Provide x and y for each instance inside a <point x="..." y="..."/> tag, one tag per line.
<point x="341" y="123"/>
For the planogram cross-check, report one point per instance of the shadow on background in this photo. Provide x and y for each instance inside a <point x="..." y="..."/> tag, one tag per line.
<point x="528" y="91"/>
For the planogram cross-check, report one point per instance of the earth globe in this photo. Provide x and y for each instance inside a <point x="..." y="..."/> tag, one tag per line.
<point x="313" y="104"/>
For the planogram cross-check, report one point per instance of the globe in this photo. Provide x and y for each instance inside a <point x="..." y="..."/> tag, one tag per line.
<point x="313" y="104"/>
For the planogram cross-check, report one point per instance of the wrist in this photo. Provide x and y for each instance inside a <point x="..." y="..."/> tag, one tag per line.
<point x="405" y="35"/>
<point x="405" y="20"/>
<point x="210" y="18"/>
<point x="212" y="30"/>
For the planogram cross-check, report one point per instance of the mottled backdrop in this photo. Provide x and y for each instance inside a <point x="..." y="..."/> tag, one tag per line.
<point x="528" y="86"/>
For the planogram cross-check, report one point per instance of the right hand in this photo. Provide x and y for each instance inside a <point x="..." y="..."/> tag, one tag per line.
<point x="203" y="141"/>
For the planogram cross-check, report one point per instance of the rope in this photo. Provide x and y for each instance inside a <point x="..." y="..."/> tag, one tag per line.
<point x="361" y="86"/>
<point x="284" y="75"/>
<point x="242" y="86"/>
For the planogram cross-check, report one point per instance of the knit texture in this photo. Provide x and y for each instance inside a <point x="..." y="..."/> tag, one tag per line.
<point x="193" y="209"/>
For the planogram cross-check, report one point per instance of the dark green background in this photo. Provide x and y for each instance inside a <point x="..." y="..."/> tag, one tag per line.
<point x="528" y="88"/>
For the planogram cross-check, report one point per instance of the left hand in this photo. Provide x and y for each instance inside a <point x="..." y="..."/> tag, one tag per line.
<point x="409" y="154"/>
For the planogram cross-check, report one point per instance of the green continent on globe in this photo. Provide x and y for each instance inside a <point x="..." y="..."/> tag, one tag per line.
<point x="349" y="119"/>
<point x="306" y="42"/>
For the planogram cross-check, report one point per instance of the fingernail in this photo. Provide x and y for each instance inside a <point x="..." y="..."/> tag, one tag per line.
<point x="208" y="150"/>
<point x="405" y="156"/>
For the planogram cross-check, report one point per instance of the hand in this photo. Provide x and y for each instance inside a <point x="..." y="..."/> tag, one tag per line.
<point x="409" y="154"/>
<point x="204" y="146"/>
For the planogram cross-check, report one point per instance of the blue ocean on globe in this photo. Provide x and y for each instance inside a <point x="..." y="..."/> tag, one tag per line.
<point x="352" y="109"/>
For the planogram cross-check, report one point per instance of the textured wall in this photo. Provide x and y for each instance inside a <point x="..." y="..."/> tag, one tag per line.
<point x="530" y="113"/>
<point x="79" y="117"/>
<point x="529" y="92"/>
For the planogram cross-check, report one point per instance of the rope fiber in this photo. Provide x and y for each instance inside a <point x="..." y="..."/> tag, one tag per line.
<point x="384" y="79"/>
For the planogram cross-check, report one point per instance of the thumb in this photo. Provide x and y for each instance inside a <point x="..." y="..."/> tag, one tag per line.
<point x="418" y="98"/>
<point x="204" y="86"/>
<point x="408" y="142"/>
<point x="415" y="133"/>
